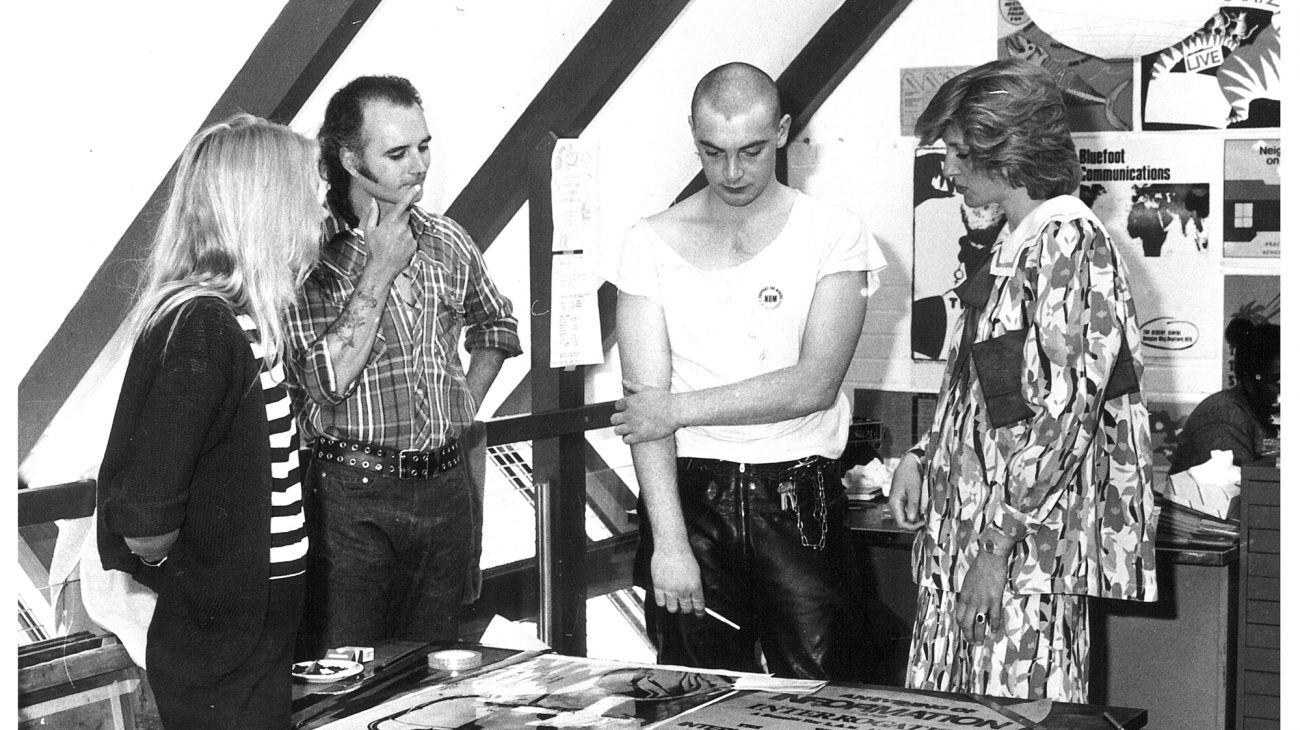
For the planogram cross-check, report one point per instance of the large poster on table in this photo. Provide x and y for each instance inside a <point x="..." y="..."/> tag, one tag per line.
<point x="1227" y="75"/>
<point x="550" y="691"/>
<point x="844" y="707"/>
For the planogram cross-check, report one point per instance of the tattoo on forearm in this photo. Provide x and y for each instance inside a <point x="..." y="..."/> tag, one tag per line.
<point x="364" y="302"/>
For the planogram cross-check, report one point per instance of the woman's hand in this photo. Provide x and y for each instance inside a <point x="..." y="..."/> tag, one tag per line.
<point x="905" y="493"/>
<point x="981" y="595"/>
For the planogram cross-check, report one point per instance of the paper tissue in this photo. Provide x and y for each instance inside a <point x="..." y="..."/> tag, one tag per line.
<point x="866" y="482"/>
<point x="1212" y="487"/>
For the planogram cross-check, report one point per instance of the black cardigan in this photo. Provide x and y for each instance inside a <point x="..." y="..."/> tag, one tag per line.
<point x="189" y="451"/>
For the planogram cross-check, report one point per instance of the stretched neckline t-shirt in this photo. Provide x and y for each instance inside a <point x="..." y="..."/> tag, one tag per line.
<point x="729" y="324"/>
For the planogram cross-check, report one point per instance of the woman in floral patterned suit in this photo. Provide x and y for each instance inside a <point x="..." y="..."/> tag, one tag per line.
<point x="1032" y="489"/>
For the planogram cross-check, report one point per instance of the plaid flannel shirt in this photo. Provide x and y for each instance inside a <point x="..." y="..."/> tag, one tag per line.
<point x="412" y="393"/>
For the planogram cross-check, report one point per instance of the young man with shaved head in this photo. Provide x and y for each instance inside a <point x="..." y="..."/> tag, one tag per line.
<point x="739" y="310"/>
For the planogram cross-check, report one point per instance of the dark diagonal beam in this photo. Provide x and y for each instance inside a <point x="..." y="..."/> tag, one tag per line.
<point x="842" y="41"/>
<point x="580" y="86"/>
<point x="280" y="74"/>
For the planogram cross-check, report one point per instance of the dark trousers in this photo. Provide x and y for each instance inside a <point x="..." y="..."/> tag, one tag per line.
<point x="388" y="556"/>
<point x="778" y="571"/>
<point x="256" y="695"/>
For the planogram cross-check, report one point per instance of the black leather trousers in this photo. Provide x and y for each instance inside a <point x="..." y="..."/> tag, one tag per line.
<point x="772" y="547"/>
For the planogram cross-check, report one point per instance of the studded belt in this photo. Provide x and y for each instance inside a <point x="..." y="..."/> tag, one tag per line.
<point x="389" y="462"/>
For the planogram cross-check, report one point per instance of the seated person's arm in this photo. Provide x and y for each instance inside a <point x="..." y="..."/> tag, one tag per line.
<point x="830" y="337"/>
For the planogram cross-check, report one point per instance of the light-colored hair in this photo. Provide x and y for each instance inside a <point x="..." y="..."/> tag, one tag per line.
<point x="242" y="224"/>
<point x="1011" y="115"/>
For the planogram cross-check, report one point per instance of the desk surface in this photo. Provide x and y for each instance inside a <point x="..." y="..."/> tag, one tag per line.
<point x="401" y="668"/>
<point x="874" y="521"/>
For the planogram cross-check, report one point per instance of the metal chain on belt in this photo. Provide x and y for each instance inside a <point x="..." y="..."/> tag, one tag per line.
<point x="821" y="515"/>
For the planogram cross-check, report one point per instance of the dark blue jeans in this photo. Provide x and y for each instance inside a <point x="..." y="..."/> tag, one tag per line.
<point x="388" y="556"/>
<point x="776" y="566"/>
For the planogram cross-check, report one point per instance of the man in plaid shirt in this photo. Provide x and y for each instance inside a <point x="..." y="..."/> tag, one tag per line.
<point x="377" y="377"/>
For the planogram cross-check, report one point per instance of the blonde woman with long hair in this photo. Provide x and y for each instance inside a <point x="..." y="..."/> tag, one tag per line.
<point x="199" y="493"/>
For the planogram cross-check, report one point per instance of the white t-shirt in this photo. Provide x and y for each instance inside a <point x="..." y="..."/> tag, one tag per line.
<point x="727" y="325"/>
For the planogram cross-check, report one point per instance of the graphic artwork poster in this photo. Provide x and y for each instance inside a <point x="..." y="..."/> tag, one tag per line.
<point x="550" y="690"/>
<point x="858" y="708"/>
<point x="1257" y="298"/>
<point x="1154" y="195"/>
<point x="916" y="89"/>
<point x="1098" y="92"/>
<point x="945" y="234"/>
<point x="1252" y="198"/>
<point x="1227" y="75"/>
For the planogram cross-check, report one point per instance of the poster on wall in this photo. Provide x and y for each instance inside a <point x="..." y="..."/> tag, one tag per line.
<point x="916" y="89"/>
<point x="1153" y="194"/>
<point x="1257" y="298"/>
<point x="946" y="233"/>
<point x="1098" y="92"/>
<point x="1227" y="75"/>
<point x="1252" y="198"/>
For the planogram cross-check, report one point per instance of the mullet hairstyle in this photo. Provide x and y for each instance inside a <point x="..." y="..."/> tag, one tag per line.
<point x="242" y="224"/>
<point x="1012" y="117"/>
<point x="344" y="127"/>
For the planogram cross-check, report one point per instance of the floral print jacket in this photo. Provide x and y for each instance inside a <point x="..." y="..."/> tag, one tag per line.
<point x="1071" y="483"/>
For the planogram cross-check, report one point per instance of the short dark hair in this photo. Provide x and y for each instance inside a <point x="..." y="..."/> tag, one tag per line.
<point x="1011" y="115"/>
<point x="1255" y="346"/>
<point x="344" y="125"/>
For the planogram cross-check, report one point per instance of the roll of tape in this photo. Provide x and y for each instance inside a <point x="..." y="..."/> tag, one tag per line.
<point x="455" y="660"/>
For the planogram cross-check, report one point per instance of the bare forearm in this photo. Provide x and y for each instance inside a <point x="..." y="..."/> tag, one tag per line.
<point x="351" y="336"/>
<point x="656" y="472"/>
<point x="776" y="396"/>
<point x="484" y="366"/>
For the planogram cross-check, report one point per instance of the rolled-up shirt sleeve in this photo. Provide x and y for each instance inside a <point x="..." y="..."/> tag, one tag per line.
<point x="310" y="368"/>
<point x="489" y="314"/>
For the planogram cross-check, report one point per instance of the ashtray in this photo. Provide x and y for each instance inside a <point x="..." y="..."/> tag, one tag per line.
<point x="326" y="670"/>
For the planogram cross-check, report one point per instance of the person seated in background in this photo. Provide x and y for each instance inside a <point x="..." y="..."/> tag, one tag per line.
<point x="1238" y="419"/>
<point x="199" y="495"/>
<point x="739" y="310"/>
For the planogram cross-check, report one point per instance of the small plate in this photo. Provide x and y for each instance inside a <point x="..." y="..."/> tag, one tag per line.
<point x="326" y="670"/>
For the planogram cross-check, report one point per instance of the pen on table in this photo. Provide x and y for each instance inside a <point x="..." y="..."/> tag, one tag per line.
<point x="722" y="618"/>
<point x="1112" y="720"/>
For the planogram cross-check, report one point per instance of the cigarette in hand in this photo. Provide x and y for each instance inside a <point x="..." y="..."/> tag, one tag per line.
<point x="722" y="618"/>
